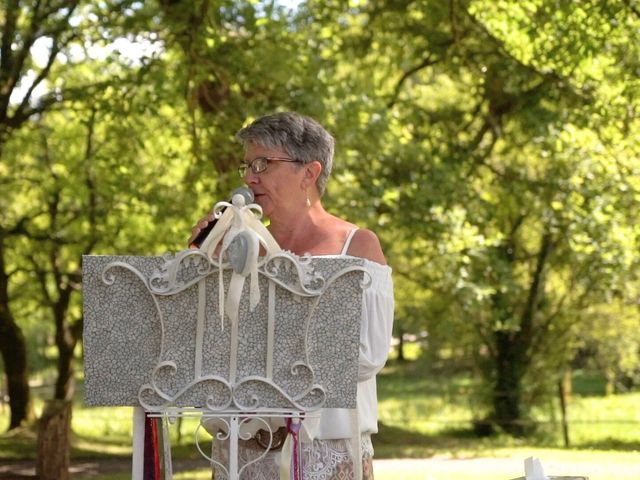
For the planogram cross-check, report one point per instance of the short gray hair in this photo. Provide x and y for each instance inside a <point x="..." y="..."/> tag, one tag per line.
<point x="300" y="136"/>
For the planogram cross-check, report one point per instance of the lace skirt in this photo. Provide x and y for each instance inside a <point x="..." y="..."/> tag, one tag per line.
<point x="321" y="460"/>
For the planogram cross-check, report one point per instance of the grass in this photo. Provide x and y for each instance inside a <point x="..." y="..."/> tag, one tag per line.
<point x="436" y="406"/>
<point x="424" y="414"/>
<point x="428" y="414"/>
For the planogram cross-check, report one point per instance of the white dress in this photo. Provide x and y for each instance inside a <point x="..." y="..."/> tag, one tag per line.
<point x="335" y="434"/>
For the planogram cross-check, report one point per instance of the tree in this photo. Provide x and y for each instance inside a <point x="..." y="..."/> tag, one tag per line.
<point x="13" y="349"/>
<point x="21" y="28"/>
<point x="489" y="144"/>
<point x="488" y="137"/>
<point x="39" y="42"/>
<point x="237" y="61"/>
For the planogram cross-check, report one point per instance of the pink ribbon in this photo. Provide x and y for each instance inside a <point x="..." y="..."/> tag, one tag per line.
<point x="294" y="429"/>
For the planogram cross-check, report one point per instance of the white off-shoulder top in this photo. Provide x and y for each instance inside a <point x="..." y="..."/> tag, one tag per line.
<point x="375" y="340"/>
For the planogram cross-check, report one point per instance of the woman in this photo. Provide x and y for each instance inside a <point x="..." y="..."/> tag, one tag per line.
<point x="287" y="162"/>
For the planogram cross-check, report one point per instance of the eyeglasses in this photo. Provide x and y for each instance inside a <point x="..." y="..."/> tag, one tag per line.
<point x="260" y="164"/>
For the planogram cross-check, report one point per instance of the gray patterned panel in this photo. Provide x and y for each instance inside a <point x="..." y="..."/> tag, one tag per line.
<point x="140" y="346"/>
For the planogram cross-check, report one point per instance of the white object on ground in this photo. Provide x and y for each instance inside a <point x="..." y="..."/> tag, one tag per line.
<point x="533" y="469"/>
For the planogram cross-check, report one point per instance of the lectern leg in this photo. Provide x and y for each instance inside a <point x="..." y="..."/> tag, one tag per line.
<point x="166" y="443"/>
<point x="233" y="448"/>
<point x="137" y="468"/>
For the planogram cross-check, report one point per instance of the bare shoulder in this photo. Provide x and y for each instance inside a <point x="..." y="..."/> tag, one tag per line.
<point x="366" y="244"/>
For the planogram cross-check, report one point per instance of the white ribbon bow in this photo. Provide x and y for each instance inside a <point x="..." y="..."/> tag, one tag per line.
<point x="239" y="224"/>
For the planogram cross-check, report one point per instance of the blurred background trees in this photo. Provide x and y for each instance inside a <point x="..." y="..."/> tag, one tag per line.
<point x="490" y="144"/>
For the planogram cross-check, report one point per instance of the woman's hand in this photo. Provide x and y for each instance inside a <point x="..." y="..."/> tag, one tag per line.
<point x="199" y="227"/>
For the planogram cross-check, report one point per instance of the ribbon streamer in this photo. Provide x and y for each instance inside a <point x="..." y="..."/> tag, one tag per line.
<point x="290" y="468"/>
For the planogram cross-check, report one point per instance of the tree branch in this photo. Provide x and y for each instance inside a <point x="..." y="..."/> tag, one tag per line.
<point x="426" y="62"/>
<point x="23" y="111"/>
<point x="633" y="8"/>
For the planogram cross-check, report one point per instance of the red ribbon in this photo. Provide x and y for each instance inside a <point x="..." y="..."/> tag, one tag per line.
<point x="151" y="450"/>
<point x="294" y="429"/>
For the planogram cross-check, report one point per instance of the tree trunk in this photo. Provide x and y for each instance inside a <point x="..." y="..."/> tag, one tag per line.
<point x="65" y="382"/>
<point x="401" y="357"/>
<point x="14" y="357"/>
<point x="512" y="348"/>
<point x="65" y="342"/>
<point x="14" y="354"/>
<point x="54" y="440"/>
<point x="564" y="392"/>
<point x="507" y="392"/>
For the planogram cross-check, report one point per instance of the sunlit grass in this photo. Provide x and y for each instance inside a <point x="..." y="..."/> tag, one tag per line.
<point x="203" y="474"/>
<point x="193" y="475"/>
<point x="114" y="476"/>
<point x="436" y="409"/>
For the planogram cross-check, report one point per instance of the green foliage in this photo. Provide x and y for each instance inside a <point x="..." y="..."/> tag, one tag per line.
<point x="426" y="408"/>
<point x="483" y="158"/>
<point x="490" y="145"/>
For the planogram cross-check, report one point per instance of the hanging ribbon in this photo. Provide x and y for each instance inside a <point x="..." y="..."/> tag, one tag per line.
<point x="151" y="451"/>
<point x="356" y="444"/>
<point x="290" y="467"/>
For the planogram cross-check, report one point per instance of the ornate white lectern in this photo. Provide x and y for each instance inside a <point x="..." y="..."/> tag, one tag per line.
<point x="245" y="338"/>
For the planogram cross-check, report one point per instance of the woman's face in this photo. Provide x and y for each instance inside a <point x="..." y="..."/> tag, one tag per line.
<point x="278" y="188"/>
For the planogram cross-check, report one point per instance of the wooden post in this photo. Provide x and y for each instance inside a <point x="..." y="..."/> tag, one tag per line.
<point x="54" y="441"/>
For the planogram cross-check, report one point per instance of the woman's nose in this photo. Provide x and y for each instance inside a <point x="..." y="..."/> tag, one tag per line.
<point x="250" y="177"/>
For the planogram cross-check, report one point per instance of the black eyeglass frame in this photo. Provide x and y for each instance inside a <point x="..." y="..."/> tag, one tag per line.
<point x="260" y="164"/>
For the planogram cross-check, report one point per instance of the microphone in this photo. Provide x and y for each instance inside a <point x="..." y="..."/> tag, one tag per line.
<point x="248" y="198"/>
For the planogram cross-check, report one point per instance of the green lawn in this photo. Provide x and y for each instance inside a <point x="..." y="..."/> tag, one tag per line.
<point x="433" y="411"/>
<point x="428" y="415"/>
<point x="424" y="415"/>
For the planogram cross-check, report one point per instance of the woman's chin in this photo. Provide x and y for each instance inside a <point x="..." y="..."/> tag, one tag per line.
<point x="264" y="204"/>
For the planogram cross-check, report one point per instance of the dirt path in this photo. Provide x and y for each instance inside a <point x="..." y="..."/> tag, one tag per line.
<point x="20" y="470"/>
<point x="401" y="469"/>
<point x="503" y="468"/>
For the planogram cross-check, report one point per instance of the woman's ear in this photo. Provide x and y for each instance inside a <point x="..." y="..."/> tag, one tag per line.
<point x="312" y="171"/>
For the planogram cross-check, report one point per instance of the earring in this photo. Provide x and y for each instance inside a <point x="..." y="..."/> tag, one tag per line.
<point x="308" y="201"/>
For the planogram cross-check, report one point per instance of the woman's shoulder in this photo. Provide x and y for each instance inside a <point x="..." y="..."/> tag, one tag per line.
<point x="365" y="244"/>
<point x="362" y="242"/>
